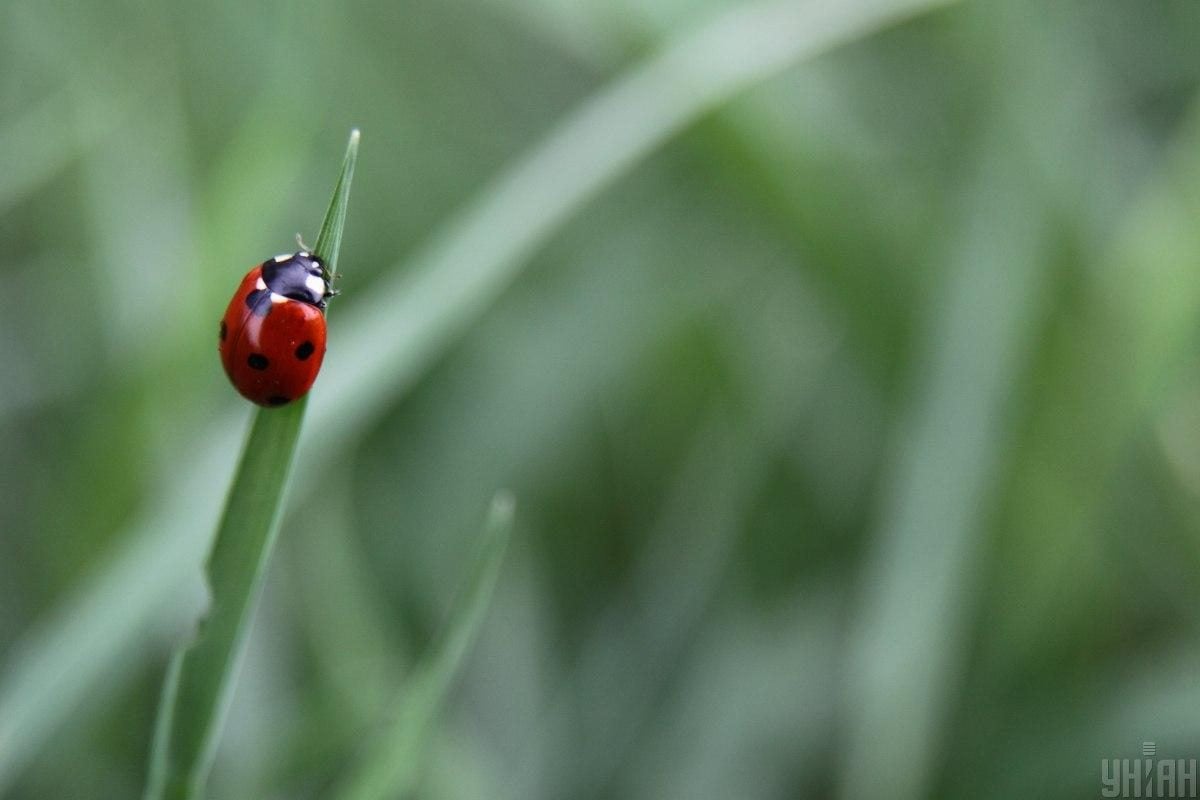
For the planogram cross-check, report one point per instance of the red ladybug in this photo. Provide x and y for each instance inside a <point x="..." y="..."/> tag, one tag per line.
<point x="273" y="332"/>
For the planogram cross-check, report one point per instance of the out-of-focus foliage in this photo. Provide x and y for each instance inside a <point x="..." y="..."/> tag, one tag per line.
<point x="855" y="431"/>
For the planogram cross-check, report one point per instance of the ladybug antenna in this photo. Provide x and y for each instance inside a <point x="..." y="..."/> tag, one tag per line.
<point x="302" y="245"/>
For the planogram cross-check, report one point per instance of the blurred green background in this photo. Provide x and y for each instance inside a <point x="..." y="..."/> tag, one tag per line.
<point x="855" y="428"/>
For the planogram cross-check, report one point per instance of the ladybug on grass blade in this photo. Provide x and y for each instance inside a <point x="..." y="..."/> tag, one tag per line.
<point x="273" y="332"/>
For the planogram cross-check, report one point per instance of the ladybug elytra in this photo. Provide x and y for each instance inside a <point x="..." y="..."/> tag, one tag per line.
<point x="272" y="337"/>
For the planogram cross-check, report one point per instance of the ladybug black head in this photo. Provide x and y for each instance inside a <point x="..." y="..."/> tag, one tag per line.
<point x="300" y="276"/>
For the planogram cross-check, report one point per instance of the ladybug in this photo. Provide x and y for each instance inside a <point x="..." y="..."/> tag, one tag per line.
<point x="272" y="337"/>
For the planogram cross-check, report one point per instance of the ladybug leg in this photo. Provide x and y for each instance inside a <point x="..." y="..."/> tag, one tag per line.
<point x="302" y="245"/>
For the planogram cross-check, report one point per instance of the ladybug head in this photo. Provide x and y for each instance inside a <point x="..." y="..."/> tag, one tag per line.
<point x="299" y="277"/>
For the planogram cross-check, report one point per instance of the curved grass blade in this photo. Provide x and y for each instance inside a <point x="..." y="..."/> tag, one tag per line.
<point x="412" y="315"/>
<point x="391" y="764"/>
<point x="200" y="680"/>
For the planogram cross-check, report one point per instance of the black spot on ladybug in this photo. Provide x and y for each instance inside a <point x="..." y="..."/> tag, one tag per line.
<point x="257" y="361"/>
<point x="259" y="301"/>
<point x="277" y="400"/>
<point x="224" y="330"/>
<point x="304" y="351"/>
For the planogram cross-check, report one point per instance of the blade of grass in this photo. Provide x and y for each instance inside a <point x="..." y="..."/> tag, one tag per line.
<point x="918" y="583"/>
<point x="411" y="316"/>
<point x="391" y="765"/>
<point x="418" y="314"/>
<point x="329" y="241"/>
<point x="200" y="681"/>
<point x="192" y="715"/>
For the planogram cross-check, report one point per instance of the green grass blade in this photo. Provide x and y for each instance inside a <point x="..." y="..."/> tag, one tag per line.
<point x="329" y="240"/>
<point x="909" y="638"/>
<point x="411" y="315"/>
<point x="192" y="715"/>
<point x="200" y="682"/>
<point x="391" y="765"/>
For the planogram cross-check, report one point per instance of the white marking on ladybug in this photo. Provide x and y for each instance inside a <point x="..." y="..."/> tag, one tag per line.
<point x="278" y="298"/>
<point x="281" y="258"/>
<point x="261" y="284"/>
<point x="315" y="285"/>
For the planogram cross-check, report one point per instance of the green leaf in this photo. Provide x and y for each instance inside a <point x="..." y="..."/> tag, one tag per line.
<point x="200" y="681"/>
<point x="390" y="766"/>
